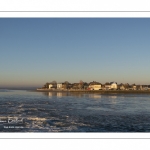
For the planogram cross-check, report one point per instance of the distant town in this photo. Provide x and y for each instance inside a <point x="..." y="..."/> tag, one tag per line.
<point x="92" y="86"/>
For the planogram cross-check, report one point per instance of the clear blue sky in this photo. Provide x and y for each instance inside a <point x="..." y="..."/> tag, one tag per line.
<point x="39" y="50"/>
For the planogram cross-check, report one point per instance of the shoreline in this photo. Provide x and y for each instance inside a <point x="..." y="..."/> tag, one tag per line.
<point x="98" y="91"/>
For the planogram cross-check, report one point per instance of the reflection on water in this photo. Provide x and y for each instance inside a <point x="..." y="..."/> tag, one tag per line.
<point x="50" y="94"/>
<point x="59" y="94"/>
<point x="78" y="95"/>
<point x="95" y="96"/>
<point x="74" y="112"/>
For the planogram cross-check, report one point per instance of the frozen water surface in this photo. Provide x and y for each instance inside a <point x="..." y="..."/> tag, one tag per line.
<point x="28" y="111"/>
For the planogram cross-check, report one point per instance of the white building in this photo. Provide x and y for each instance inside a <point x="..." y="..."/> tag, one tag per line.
<point x="122" y="87"/>
<point x="113" y="85"/>
<point x="144" y="87"/>
<point x="50" y="86"/>
<point x="59" y="85"/>
<point x="95" y="86"/>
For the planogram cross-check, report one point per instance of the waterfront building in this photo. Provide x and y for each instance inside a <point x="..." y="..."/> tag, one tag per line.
<point x="103" y="86"/>
<point x="85" y="86"/>
<point x="127" y="86"/>
<point x="66" y="85"/>
<point x="144" y="87"/>
<point x="53" y="85"/>
<point x="121" y="87"/>
<point x="139" y="87"/>
<point x="107" y="86"/>
<point x="75" y="86"/>
<point x="50" y="86"/>
<point x="134" y="87"/>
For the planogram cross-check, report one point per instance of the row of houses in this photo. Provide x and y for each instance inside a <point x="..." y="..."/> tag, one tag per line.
<point x="94" y="86"/>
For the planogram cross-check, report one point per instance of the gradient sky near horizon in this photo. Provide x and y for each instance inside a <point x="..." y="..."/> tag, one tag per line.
<point x="34" y="51"/>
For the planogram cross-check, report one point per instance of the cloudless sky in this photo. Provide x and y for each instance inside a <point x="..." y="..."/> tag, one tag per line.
<point x="34" y="51"/>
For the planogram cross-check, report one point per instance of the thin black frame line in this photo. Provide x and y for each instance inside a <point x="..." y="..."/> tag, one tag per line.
<point x="75" y="11"/>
